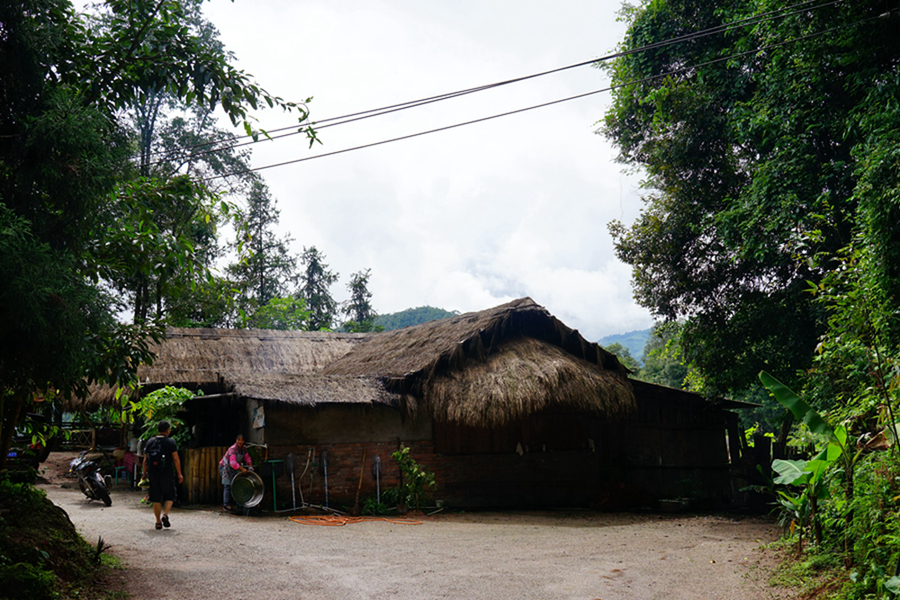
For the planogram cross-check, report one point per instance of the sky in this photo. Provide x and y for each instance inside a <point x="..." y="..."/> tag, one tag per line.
<point x="464" y="219"/>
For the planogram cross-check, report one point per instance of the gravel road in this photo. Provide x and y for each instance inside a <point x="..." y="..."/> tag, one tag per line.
<point x="209" y="555"/>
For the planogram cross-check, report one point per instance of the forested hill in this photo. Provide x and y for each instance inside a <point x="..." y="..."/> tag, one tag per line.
<point x="412" y="316"/>
<point x="633" y="340"/>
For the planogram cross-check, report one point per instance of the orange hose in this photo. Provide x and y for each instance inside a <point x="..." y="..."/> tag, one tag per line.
<point x="340" y="521"/>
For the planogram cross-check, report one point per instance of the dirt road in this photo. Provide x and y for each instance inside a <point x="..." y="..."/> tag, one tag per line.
<point x="208" y="555"/>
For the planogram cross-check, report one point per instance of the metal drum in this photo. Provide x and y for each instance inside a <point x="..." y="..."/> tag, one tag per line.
<point x="247" y="489"/>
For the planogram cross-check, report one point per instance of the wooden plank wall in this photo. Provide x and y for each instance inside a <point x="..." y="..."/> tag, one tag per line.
<point x="202" y="482"/>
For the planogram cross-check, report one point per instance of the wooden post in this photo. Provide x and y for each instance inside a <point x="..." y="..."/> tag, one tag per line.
<point x="195" y="475"/>
<point x="205" y="475"/>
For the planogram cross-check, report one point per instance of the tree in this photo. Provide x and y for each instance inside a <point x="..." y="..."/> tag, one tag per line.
<point x="756" y="143"/>
<point x="265" y="268"/>
<point x="358" y="309"/>
<point x="625" y="357"/>
<point x="176" y="137"/>
<point x="284" y="314"/>
<point x="661" y="362"/>
<point x="64" y="170"/>
<point x="315" y="281"/>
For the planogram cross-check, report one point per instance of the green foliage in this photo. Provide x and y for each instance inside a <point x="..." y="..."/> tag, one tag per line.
<point x="412" y="316"/>
<point x="662" y="358"/>
<point x="41" y="553"/>
<point x="315" y="283"/>
<point x="265" y="268"/>
<point x="756" y="162"/>
<point x="75" y="220"/>
<point x="634" y="341"/>
<point x="751" y="432"/>
<point x="164" y="404"/>
<point x="624" y="356"/>
<point x="358" y="309"/>
<point x="415" y="480"/>
<point x="371" y="506"/>
<point x="23" y="581"/>
<point x="282" y="313"/>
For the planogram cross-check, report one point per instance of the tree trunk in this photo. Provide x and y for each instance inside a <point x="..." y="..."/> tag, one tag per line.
<point x="816" y="522"/>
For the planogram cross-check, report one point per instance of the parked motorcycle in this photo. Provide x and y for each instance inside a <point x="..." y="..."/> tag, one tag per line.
<point x="93" y="485"/>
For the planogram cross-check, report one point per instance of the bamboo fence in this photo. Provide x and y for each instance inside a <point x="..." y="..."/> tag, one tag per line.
<point x="202" y="482"/>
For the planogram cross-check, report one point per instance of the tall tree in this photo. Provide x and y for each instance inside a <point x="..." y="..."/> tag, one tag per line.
<point x="752" y="139"/>
<point x="358" y="309"/>
<point x="315" y="283"/>
<point x="176" y="137"/>
<point x="265" y="269"/>
<point x="64" y="170"/>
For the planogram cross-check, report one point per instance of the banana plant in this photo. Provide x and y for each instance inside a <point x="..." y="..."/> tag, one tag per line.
<point x="811" y="474"/>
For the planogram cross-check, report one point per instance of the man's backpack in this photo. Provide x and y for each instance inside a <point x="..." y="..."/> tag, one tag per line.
<point x="157" y="460"/>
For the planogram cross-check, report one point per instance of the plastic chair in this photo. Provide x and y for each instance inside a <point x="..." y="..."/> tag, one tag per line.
<point x="123" y="470"/>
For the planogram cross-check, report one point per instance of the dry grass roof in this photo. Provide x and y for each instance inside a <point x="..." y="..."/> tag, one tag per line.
<point x="254" y="360"/>
<point x="482" y="368"/>
<point x="488" y="367"/>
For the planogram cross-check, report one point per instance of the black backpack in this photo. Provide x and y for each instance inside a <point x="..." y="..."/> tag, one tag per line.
<point x="157" y="460"/>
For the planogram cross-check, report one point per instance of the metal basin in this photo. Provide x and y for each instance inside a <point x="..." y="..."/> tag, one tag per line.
<point x="247" y="489"/>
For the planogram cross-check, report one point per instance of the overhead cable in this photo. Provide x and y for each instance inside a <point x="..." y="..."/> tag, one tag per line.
<point x="234" y="142"/>
<point x="545" y="104"/>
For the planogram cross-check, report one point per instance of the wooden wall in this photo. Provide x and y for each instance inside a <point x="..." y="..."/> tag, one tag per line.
<point x="202" y="482"/>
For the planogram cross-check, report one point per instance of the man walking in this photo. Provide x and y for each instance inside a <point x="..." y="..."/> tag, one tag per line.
<point x="160" y="456"/>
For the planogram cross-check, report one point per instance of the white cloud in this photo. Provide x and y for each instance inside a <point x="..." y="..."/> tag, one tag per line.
<point x="463" y="219"/>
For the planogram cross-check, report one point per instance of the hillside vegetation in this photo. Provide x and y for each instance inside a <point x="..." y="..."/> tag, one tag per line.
<point x="42" y="556"/>
<point x="412" y="316"/>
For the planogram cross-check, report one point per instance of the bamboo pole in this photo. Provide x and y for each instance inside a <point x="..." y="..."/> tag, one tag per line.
<point x="211" y="474"/>
<point x="205" y="475"/>
<point x="220" y="488"/>
<point x="185" y="455"/>
<point x="195" y="475"/>
<point x="200" y="474"/>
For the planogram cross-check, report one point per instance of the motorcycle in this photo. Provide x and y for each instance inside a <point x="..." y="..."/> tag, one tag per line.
<point x="92" y="484"/>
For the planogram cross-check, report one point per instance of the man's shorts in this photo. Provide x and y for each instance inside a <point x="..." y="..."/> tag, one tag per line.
<point x="162" y="488"/>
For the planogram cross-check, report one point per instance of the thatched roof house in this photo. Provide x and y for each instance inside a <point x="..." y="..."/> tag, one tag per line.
<point x="281" y="366"/>
<point x="481" y="368"/>
<point x="507" y="406"/>
<point x="487" y="368"/>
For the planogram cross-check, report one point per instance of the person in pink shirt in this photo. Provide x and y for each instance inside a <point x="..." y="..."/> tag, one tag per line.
<point x="236" y="460"/>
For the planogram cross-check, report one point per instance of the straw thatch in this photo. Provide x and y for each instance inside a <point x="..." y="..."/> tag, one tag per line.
<point x="489" y="367"/>
<point x="484" y="368"/>
<point x="523" y="377"/>
<point x="264" y="364"/>
<point x="310" y="390"/>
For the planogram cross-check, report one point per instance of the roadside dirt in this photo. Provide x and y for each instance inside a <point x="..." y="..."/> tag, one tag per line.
<point x="552" y="555"/>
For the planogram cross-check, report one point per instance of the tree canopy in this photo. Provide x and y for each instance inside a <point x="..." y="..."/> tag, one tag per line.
<point x="315" y="289"/>
<point x="762" y="143"/>
<point x="77" y="217"/>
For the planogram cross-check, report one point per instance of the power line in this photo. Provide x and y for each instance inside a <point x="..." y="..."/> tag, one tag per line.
<point x="551" y="103"/>
<point x="357" y="116"/>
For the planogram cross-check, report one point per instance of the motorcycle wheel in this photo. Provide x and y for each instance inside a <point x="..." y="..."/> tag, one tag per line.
<point x="100" y="491"/>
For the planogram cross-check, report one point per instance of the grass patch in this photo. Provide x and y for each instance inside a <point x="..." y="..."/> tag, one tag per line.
<point x="812" y="575"/>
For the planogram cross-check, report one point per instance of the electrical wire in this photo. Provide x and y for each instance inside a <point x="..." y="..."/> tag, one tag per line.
<point x="357" y="116"/>
<point x="551" y="103"/>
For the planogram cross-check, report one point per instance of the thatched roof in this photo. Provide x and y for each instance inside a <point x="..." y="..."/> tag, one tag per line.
<point x="481" y="368"/>
<point x="488" y="367"/>
<point x="525" y="376"/>
<point x="258" y="363"/>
